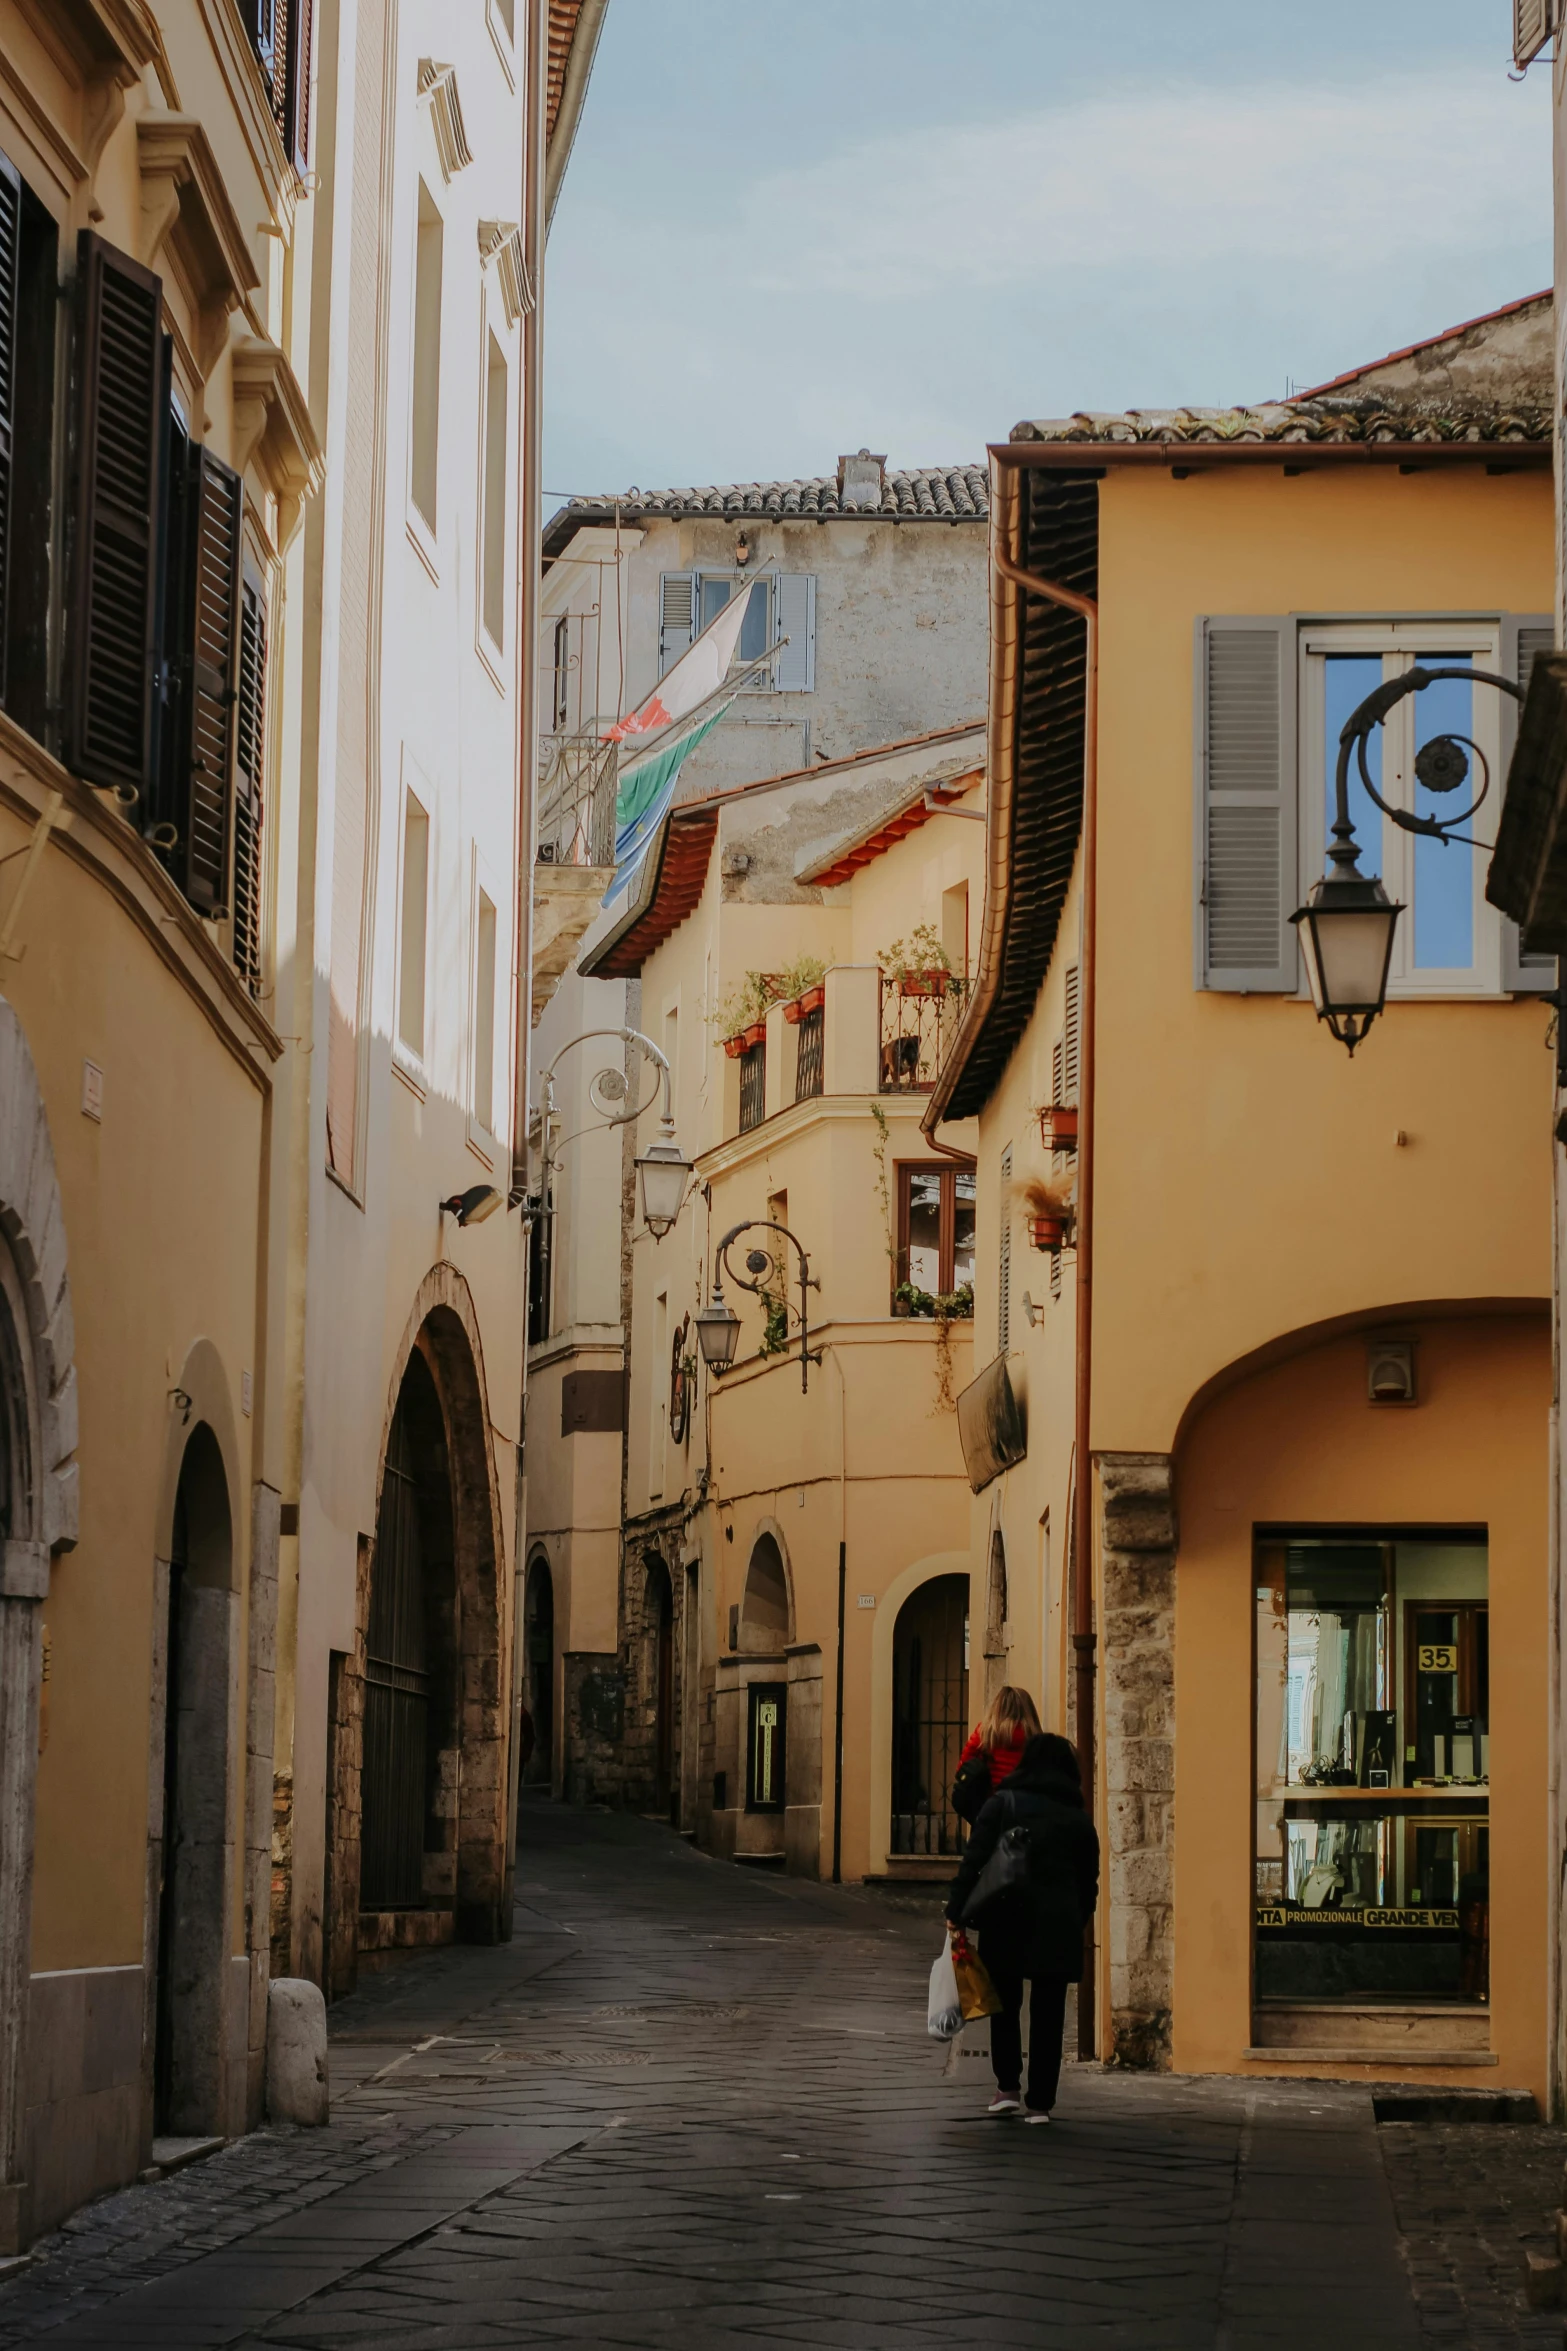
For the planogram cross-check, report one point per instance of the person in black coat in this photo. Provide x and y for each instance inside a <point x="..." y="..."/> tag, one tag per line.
<point x="1037" y="1929"/>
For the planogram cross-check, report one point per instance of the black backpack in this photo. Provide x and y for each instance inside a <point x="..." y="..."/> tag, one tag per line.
<point x="971" y="1788"/>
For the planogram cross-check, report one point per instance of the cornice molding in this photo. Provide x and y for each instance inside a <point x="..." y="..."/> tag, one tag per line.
<point x="272" y="427"/>
<point x="438" y="84"/>
<point x="500" y="248"/>
<point x="185" y="207"/>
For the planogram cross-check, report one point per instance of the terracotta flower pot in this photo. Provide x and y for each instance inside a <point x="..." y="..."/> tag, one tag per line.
<point x="734" y="1047"/>
<point x="923" y="983"/>
<point x="812" y="1001"/>
<point x="1058" y="1126"/>
<point x="756" y="1034"/>
<point x="1047" y="1232"/>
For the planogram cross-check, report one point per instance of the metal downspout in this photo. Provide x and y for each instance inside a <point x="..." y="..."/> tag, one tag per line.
<point x="1084" y="1637"/>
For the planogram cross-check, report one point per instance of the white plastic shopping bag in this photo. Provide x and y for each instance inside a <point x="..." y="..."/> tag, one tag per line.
<point x="944" y="2016"/>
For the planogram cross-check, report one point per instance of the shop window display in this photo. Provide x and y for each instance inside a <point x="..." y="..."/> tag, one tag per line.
<point x="1373" y="1770"/>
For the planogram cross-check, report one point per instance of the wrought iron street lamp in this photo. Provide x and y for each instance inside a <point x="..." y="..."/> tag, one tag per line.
<point x="663" y="1169"/>
<point x="1347" y="924"/>
<point x="718" y="1331"/>
<point x="718" y="1326"/>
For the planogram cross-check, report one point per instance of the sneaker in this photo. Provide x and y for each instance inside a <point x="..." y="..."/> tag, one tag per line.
<point x="1005" y="2102"/>
<point x="1037" y="2114"/>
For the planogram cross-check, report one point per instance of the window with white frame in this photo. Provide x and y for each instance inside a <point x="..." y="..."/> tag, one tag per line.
<point x="1274" y="695"/>
<point x="781" y="613"/>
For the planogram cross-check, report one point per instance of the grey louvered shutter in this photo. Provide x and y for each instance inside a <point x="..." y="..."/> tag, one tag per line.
<point x="1247" y="821"/>
<point x="795" y="670"/>
<point x="677" y="595"/>
<point x="1524" y="637"/>
<point x="117" y="490"/>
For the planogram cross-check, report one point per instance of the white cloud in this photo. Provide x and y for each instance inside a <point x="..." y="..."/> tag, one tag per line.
<point x="922" y="288"/>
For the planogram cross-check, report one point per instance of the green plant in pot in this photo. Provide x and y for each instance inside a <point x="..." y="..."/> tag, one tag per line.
<point x="920" y="965"/>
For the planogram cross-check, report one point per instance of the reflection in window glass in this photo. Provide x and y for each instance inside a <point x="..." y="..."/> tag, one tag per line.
<point x="1347" y="678"/>
<point x="1373" y="1771"/>
<point x="716" y="593"/>
<point x="963" y="1230"/>
<point x="1444" y="870"/>
<point x="925" y="1229"/>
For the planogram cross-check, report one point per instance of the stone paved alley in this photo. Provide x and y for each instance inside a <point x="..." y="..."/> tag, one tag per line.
<point x="692" y="2104"/>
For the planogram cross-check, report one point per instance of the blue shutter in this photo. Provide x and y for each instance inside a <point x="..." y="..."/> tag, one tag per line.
<point x="677" y="616"/>
<point x="1246" y="805"/>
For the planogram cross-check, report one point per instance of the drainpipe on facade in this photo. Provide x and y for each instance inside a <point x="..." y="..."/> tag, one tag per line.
<point x="529" y="535"/>
<point x="1084" y="1637"/>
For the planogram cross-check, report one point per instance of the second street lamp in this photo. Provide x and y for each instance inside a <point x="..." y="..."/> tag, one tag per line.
<point x="663" y="1171"/>
<point x="718" y="1331"/>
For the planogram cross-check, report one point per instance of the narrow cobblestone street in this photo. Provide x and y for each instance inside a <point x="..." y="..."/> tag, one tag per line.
<point x="693" y="2104"/>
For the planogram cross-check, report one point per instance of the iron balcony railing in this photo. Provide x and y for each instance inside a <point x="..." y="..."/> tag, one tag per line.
<point x="578" y="778"/>
<point x="753" y="1087"/>
<point x="811" y="1032"/>
<point x="916" y="1035"/>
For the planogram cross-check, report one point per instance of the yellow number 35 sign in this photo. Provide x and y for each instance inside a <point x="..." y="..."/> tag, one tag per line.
<point x="1437" y="1657"/>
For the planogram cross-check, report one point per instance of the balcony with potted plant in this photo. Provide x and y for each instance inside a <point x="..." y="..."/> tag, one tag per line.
<point x="922" y="996"/>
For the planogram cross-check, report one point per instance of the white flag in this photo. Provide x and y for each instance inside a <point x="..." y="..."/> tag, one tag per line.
<point x="697" y="674"/>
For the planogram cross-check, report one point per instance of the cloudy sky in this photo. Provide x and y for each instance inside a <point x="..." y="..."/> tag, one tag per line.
<point x="793" y="227"/>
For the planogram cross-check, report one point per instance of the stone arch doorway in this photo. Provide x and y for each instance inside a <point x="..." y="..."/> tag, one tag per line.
<point x="764" y="1610"/>
<point x="929" y="1714"/>
<point x="429" y="1856"/>
<point x="658" y="1622"/>
<point x="195" y="1856"/>
<point x="539" y="1670"/>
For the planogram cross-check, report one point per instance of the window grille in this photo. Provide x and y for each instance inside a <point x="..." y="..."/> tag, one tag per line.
<point x="753" y="1087"/>
<point x="808" y="1068"/>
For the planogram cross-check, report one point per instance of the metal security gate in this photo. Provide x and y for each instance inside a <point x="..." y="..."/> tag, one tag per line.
<point x="929" y="1715"/>
<point x="397" y="1692"/>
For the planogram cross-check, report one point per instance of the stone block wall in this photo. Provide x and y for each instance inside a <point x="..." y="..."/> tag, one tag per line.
<point x="1137" y="1653"/>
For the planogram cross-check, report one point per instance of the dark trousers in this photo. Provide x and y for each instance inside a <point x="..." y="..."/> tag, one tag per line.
<point x="1046" y="2019"/>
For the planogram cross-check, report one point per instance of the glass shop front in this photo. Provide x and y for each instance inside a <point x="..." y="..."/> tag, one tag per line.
<point x="1372" y="1770"/>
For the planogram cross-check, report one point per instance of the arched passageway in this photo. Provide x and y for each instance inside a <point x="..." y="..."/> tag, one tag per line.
<point x="539" y="1671"/>
<point x="929" y="1714"/>
<point x="195" y="1845"/>
<point x="432" y="1808"/>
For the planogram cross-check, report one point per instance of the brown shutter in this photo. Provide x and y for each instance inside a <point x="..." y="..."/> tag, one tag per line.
<point x="108" y="688"/>
<point x="294" y="120"/>
<point x="214" y="507"/>
<point x="249" y="753"/>
<point x="10" y="252"/>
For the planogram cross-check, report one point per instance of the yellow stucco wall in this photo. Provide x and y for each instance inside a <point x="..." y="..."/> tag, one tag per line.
<point x="1250" y="1187"/>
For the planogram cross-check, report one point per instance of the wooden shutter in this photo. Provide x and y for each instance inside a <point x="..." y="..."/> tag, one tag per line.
<point x="1533" y="24"/>
<point x="1004" y="1262"/>
<point x="1524" y="637"/>
<point x="250" y="734"/>
<point x="1072" y="1035"/>
<point x="205" y="806"/>
<point x="796" y="667"/>
<point x="295" y="119"/>
<point x="1247" y="824"/>
<point x="10" y="293"/>
<point x="116" y="493"/>
<point x="677" y="616"/>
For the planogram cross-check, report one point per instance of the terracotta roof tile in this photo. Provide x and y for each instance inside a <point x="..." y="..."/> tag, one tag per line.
<point x="956" y="493"/>
<point x="1308" y="420"/>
